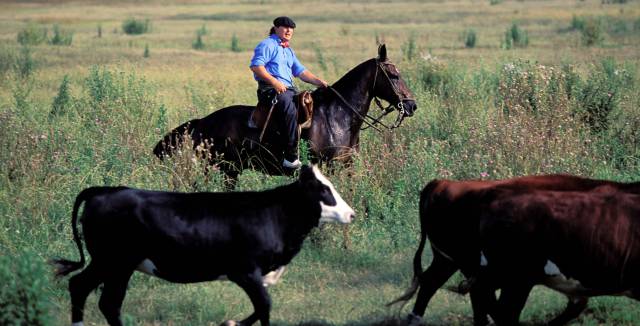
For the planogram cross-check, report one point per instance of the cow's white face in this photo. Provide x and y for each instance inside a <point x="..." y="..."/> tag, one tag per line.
<point x="334" y="208"/>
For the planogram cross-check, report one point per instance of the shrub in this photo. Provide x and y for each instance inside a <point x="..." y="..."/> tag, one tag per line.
<point x="320" y="57"/>
<point x="133" y="26"/>
<point x="409" y="47"/>
<point x="32" y="35"/>
<point x="198" y="44"/>
<point x="62" y="101"/>
<point x="23" y="291"/>
<point x="7" y="60"/>
<point x="61" y="37"/>
<point x="572" y="80"/>
<point x="470" y="38"/>
<point x="515" y="37"/>
<point x="600" y="94"/>
<point x="577" y="23"/>
<point x="592" y="33"/>
<point x="202" y="31"/>
<point x="235" y="46"/>
<point x="437" y="78"/>
<point x="25" y="65"/>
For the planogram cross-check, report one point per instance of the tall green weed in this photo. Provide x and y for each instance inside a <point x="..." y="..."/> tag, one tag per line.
<point x="32" y="34"/>
<point x="23" y="294"/>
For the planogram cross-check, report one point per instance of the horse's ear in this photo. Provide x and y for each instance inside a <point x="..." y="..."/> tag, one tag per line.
<point x="382" y="52"/>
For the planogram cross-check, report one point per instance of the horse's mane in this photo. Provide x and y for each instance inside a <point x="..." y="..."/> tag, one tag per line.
<point x="349" y="80"/>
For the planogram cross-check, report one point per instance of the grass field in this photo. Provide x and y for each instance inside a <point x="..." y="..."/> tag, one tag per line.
<point x="566" y="99"/>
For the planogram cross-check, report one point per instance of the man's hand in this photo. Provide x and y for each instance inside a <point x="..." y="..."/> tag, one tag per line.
<point x="262" y="73"/>
<point x="279" y="87"/>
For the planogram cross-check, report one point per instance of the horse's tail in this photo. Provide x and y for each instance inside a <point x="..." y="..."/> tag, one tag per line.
<point x="173" y="139"/>
<point x="64" y="266"/>
<point x="417" y="259"/>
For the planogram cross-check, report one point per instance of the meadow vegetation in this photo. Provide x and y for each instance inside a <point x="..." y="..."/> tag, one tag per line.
<point x="88" y="113"/>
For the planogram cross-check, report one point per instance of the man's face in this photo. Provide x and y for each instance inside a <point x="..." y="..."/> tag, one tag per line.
<point x="284" y="33"/>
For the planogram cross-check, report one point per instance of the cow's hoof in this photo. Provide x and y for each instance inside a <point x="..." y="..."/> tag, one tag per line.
<point x="230" y="323"/>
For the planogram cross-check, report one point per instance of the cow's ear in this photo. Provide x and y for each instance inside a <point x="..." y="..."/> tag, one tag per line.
<point x="306" y="174"/>
<point x="382" y="52"/>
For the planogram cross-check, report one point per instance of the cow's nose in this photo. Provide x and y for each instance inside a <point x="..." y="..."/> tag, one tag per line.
<point x="351" y="216"/>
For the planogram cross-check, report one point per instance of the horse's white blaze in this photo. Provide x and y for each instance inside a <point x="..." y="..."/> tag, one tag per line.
<point x="341" y="212"/>
<point x="273" y="277"/>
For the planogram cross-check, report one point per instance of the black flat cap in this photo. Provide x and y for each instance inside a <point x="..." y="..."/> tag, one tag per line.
<point x="284" y="21"/>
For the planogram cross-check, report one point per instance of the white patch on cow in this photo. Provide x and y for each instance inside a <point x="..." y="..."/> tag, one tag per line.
<point x="273" y="277"/>
<point x="341" y="212"/>
<point x="78" y="324"/>
<point x="147" y="267"/>
<point x="483" y="259"/>
<point x="559" y="282"/>
<point x="551" y="269"/>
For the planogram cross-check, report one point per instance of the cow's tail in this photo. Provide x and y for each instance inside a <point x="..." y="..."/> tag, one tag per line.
<point x="63" y="266"/>
<point x="173" y="139"/>
<point x="417" y="259"/>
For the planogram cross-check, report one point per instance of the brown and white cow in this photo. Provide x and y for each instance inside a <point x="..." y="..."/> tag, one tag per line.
<point x="582" y="244"/>
<point x="450" y="213"/>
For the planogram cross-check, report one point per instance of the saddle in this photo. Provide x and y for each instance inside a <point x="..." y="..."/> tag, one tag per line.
<point x="304" y="103"/>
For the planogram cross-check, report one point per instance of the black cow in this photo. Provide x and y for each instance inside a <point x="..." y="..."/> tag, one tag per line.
<point x="450" y="213"/>
<point x="195" y="237"/>
<point x="581" y="244"/>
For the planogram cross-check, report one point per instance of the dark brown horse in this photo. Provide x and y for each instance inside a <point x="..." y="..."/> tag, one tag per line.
<point x="338" y="115"/>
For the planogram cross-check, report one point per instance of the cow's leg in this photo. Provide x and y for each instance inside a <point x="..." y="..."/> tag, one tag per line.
<point x="483" y="301"/>
<point x="252" y="285"/>
<point x="115" y="288"/>
<point x="512" y="299"/>
<point x="575" y="306"/>
<point x="80" y="285"/>
<point x="440" y="270"/>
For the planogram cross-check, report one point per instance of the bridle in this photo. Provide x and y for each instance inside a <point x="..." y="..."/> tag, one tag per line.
<point x="385" y="111"/>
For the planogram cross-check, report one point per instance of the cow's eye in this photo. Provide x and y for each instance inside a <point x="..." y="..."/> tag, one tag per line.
<point x="326" y="196"/>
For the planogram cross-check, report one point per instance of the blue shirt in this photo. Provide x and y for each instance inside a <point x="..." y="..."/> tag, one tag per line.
<point x="280" y="62"/>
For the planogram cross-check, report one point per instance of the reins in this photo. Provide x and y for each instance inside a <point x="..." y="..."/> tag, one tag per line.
<point x="364" y="118"/>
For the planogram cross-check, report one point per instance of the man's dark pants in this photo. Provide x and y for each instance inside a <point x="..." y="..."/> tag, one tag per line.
<point x="285" y="115"/>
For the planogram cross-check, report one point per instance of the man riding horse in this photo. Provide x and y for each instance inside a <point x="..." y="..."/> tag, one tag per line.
<point x="274" y="64"/>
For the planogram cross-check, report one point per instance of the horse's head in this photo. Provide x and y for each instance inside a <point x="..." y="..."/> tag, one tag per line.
<point x="389" y="85"/>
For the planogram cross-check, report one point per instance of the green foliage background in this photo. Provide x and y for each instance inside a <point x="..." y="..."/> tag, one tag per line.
<point x="90" y="112"/>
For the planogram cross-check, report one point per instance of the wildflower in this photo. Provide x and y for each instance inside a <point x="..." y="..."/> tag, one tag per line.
<point x="484" y="174"/>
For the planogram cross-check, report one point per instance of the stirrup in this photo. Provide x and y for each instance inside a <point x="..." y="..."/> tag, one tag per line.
<point x="292" y="165"/>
